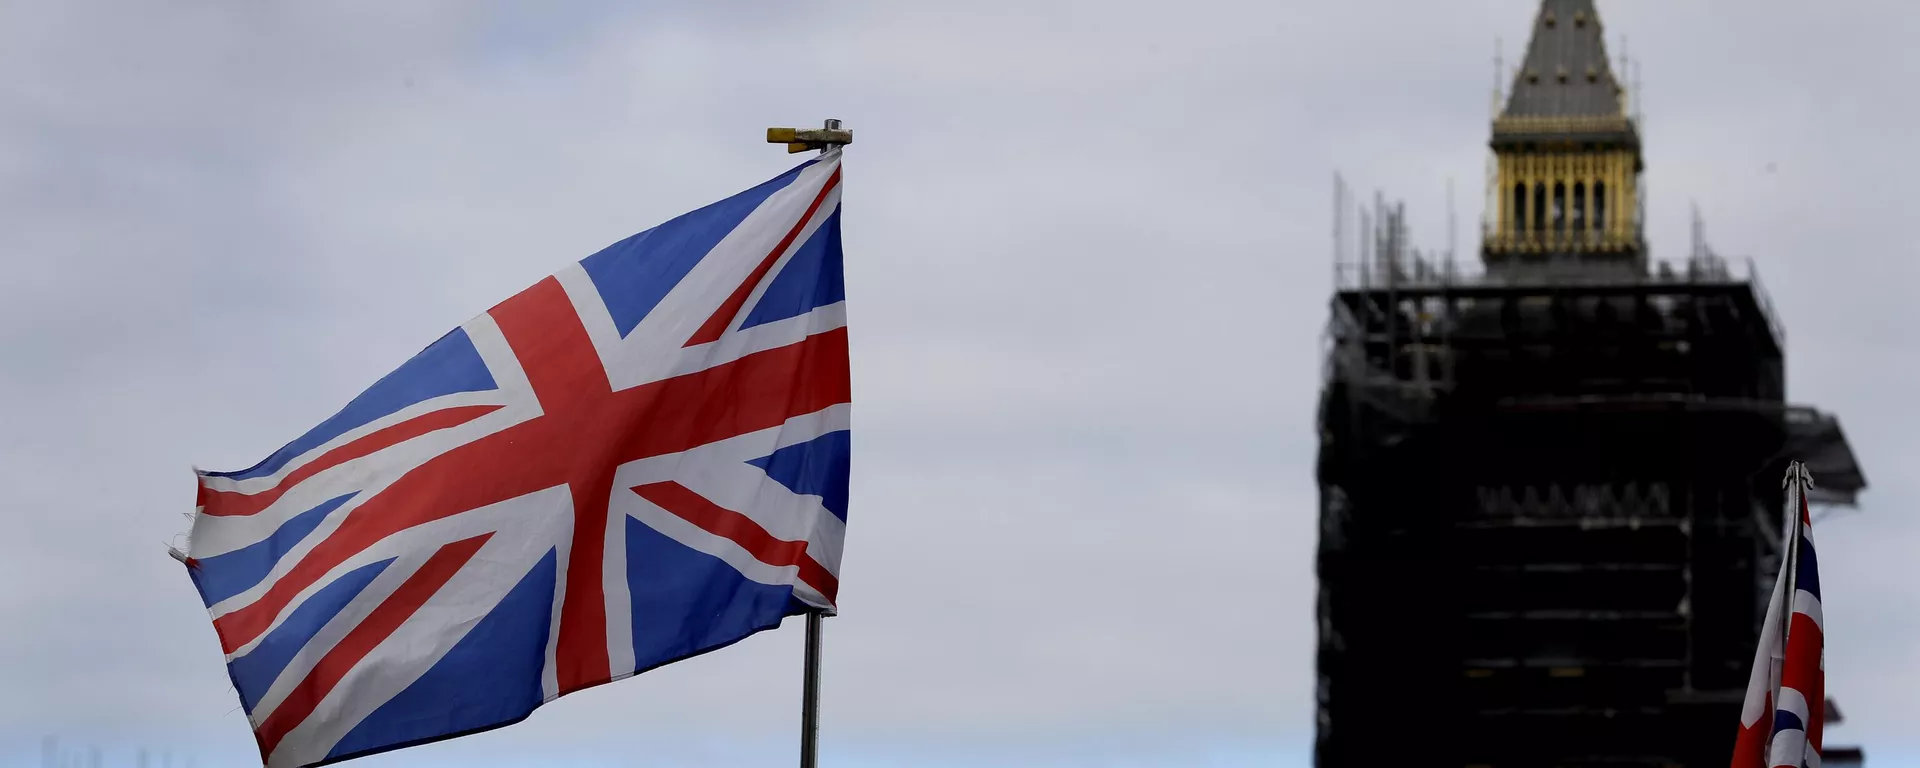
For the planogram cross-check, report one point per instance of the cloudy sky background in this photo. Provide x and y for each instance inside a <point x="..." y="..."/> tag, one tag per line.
<point x="1088" y="257"/>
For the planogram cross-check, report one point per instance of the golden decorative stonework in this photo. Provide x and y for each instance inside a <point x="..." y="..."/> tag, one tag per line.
<point x="1546" y="124"/>
<point x="1565" y="201"/>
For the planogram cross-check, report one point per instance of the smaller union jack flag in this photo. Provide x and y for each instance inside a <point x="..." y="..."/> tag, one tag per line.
<point x="1789" y="667"/>
<point x="637" y="460"/>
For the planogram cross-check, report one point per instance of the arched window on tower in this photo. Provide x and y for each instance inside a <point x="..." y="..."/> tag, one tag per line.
<point x="1600" y="206"/>
<point x="1559" y="207"/>
<point x="1539" y="209"/>
<point x="1519" y="212"/>
<point x="1579" y="206"/>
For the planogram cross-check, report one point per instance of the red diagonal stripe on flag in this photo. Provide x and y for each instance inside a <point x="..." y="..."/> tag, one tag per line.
<point x="742" y="530"/>
<point x="234" y="503"/>
<point x="366" y="636"/>
<point x="723" y="317"/>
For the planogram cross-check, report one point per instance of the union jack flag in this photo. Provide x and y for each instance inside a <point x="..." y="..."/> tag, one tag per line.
<point x="1789" y="667"/>
<point x="637" y="460"/>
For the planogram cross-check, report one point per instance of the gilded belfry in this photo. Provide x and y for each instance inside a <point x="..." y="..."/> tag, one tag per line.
<point x="1568" y="154"/>
<point x="1549" y="487"/>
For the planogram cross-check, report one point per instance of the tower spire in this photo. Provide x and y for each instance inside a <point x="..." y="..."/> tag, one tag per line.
<point x="1566" y="72"/>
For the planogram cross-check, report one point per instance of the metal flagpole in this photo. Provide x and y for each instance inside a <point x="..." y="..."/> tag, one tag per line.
<point x="810" y="694"/>
<point x="825" y="139"/>
<point x="1789" y="552"/>
<point x="1796" y="498"/>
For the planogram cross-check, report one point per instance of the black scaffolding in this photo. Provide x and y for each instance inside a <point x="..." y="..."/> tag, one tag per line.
<point x="1549" y="507"/>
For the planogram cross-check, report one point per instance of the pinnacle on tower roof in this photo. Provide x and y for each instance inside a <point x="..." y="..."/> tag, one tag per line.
<point x="1566" y="72"/>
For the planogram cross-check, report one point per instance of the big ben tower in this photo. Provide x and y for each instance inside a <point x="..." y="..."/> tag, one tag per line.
<point x="1549" y="486"/>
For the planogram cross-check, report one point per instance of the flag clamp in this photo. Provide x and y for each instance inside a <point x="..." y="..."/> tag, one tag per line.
<point x="805" y="139"/>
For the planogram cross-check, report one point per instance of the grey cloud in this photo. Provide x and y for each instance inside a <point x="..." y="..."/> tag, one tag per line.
<point x="1088" y="264"/>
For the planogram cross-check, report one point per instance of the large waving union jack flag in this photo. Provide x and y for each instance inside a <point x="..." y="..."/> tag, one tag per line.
<point x="639" y="459"/>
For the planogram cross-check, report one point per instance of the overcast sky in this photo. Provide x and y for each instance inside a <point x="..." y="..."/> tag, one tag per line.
<point x="1088" y="261"/>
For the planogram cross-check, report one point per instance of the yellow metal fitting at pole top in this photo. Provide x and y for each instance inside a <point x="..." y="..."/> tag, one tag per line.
<point x="804" y="139"/>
